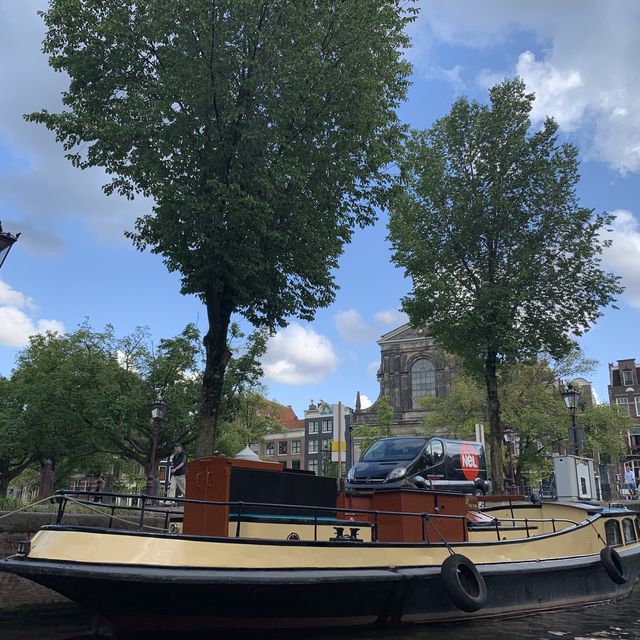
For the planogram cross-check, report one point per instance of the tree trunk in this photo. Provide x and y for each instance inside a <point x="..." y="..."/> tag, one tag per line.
<point x="495" y="426"/>
<point x="4" y="485"/>
<point x="217" y="355"/>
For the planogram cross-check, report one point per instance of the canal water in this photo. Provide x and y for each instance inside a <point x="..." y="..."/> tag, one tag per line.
<point x="618" y="621"/>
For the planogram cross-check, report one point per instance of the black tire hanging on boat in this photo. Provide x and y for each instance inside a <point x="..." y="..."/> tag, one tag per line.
<point x="464" y="583"/>
<point x="613" y="565"/>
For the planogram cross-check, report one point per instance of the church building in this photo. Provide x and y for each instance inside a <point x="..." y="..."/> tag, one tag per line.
<point x="412" y="367"/>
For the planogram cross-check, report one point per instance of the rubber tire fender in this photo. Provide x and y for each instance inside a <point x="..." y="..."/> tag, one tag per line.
<point x="613" y="565"/>
<point x="464" y="583"/>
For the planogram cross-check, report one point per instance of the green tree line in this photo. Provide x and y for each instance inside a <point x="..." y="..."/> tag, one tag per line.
<point x="83" y="399"/>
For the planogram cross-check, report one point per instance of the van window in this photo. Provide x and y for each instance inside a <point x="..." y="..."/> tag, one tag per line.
<point x="434" y="453"/>
<point x="437" y="449"/>
<point x="394" y="450"/>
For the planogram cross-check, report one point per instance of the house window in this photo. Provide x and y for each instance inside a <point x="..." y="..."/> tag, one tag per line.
<point x="295" y="446"/>
<point x="295" y="464"/>
<point x="623" y="406"/>
<point x="628" y="377"/>
<point x="637" y="401"/>
<point x="326" y="444"/>
<point x="313" y="446"/>
<point x="313" y="426"/>
<point x="312" y="465"/>
<point x="423" y="381"/>
<point x="269" y="450"/>
<point x="327" y="426"/>
<point x="282" y="448"/>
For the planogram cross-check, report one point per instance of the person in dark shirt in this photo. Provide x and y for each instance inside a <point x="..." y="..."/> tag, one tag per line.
<point x="178" y="470"/>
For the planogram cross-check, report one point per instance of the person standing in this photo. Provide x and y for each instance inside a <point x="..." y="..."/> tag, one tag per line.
<point x="630" y="481"/>
<point x="178" y="470"/>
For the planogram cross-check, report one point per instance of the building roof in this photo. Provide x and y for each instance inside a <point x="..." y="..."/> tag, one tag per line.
<point x="285" y="415"/>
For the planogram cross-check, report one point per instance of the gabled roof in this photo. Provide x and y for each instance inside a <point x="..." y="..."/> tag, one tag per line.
<point x="403" y="333"/>
<point x="285" y="415"/>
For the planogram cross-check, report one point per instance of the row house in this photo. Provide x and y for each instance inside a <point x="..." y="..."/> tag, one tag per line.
<point x="624" y="393"/>
<point x="288" y="444"/>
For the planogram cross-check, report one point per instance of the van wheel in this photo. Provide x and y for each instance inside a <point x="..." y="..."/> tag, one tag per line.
<point x="613" y="565"/>
<point x="464" y="583"/>
<point x="478" y="492"/>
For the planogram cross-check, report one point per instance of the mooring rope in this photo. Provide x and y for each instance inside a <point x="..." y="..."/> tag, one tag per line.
<point x="111" y="516"/>
<point x="28" y="506"/>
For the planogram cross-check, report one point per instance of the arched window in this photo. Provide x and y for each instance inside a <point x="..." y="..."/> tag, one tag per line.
<point x="612" y="529"/>
<point x="423" y="381"/>
<point x="629" y="531"/>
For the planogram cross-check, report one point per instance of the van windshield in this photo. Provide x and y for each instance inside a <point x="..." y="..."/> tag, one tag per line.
<point x="394" y="449"/>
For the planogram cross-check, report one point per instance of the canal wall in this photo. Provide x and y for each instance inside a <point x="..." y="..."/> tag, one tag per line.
<point x="15" y="591"/>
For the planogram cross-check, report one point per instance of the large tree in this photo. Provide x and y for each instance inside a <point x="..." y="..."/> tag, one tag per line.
<point x="505" y="261"/>
<point x="261" y="129"/>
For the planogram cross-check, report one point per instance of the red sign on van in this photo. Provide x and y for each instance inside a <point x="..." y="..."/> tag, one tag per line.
<point x="469" y="461"/>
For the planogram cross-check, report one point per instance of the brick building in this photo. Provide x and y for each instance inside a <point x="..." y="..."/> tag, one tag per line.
<point x="288" y="444"/>
<point x="624" y="393"/>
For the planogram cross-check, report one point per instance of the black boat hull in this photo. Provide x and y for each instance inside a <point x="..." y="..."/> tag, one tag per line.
<point x="141" y="598"/>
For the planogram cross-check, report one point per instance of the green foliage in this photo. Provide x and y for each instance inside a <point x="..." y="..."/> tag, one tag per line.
<point x="533" y="408"/>
<point x="505" y="261"/>
<point x="83" y="399"/>
<point x="258" y="128"/>
<point x="606" y="431"/>
<point x="459" y="411"/>
<point x="255" y="417"/>
<point x="366" y="435"/>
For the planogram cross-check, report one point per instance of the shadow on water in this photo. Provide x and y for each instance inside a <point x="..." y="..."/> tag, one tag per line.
<point x="614" y="621"/>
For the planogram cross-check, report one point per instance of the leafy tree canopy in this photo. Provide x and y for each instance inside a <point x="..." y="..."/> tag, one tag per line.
<point x="262" y="130"/>
<point x="505" y="261"/>
<point x="83" y="399"/>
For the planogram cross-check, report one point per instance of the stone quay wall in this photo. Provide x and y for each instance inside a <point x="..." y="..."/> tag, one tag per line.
<point x="16" y="591"/>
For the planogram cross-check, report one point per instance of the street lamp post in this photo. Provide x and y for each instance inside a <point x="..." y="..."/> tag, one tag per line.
<point x="571" y="397"/>
<point x="7" y="240"/>
<point x="509" y="439"/>
<point x="158" y="411"/>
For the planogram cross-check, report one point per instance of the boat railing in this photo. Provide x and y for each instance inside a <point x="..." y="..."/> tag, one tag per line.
<point x="146" y="505"/>
<point x="339" y="517"/>
<point x="528" y="524"/>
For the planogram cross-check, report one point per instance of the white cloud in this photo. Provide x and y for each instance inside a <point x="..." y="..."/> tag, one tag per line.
<point x="352" y="327"/>
<point x="556" y="91"/>
<point x="16" y="318"/>
<point x="372" y="368"/>
<point x="297" y="355"/>
<point x="39" y="189"/>
<point x="623" y="256"/>
<point x="588" y="77"/>
<point x="13" y="298"/>
<point x="452" y="75"/>
<point x="391" y="317"/>
<point x="365" y="403"/>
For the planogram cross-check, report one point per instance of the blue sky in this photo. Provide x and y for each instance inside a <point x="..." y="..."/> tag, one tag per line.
<point x="72" y="261"/>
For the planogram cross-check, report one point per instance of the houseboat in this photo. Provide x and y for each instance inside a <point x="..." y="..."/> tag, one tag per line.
<point x="259" y="546"/>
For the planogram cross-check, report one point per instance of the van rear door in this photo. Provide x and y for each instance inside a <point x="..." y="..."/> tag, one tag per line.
<point x="467" y="460"/>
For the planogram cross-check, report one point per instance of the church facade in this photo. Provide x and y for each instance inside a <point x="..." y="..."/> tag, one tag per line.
<point x="412" y="366"/>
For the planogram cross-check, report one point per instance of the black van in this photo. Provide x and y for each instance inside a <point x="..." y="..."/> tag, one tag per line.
<point x="428" y="461"/>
